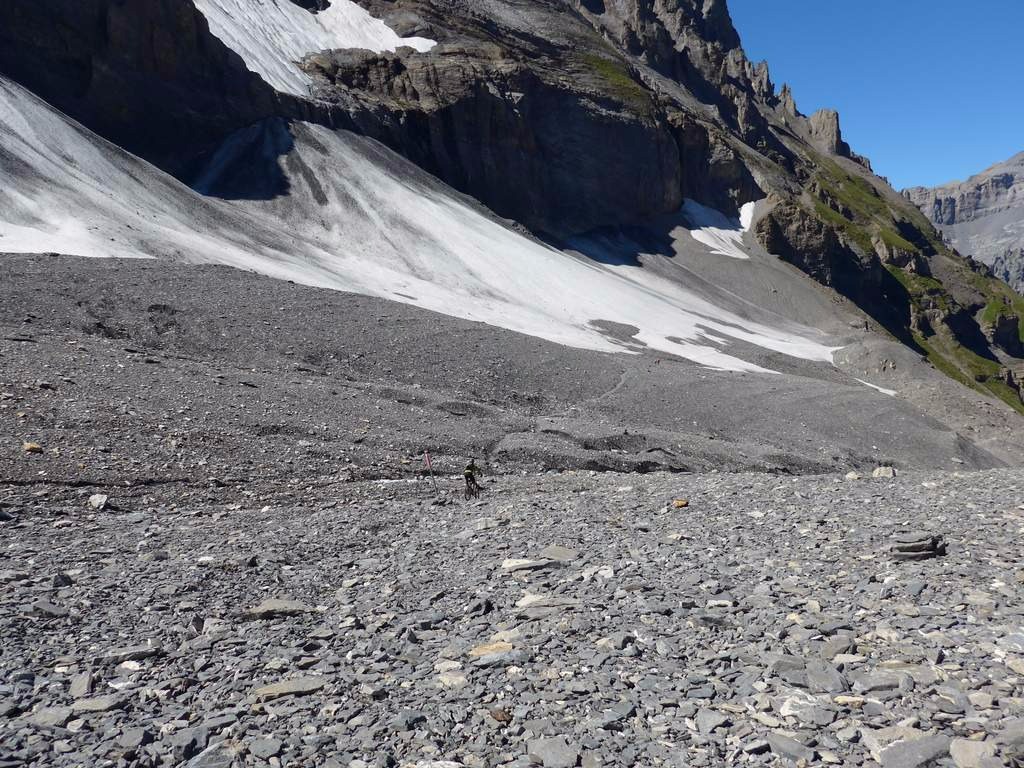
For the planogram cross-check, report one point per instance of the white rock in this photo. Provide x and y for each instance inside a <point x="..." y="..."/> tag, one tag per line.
<point x="969" y="754"/>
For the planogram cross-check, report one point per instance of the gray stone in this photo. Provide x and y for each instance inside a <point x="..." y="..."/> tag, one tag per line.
<point x="708" y="720"/>
<point x="265" y="747"/>
<point x="971" y="754"/>
<point x="133" y="738"/>
<point x="915" y="753"/>
<point x="99" y="704"/>
<point x="133" y="653"/>
<point x="556" y="752"/>
<point x="274" y="608"/>
<point x="825" y="678"/>
<point x="220" y="755"/>
<point x="407" y="720"/>
<point x="788" y="748"/>
<point x="301" y="686"/>
<point x="51" y="717"/>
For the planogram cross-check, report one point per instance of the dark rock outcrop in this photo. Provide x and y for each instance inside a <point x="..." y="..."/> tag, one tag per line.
<point x="148" y="75"/>
<point x="559" y="157"/>
<point x="795" y="235"/>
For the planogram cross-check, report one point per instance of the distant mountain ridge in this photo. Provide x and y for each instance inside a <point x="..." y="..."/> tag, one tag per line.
<point x="983" y="217"/>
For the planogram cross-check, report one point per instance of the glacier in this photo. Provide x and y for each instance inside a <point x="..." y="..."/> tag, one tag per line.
<point x="273" y="36"/>
<point x="357" y="218"/>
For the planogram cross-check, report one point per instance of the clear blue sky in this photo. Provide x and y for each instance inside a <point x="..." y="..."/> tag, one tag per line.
<point x="931" y="90"/>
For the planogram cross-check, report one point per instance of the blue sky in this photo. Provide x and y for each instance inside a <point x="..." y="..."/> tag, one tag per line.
<point x="930" y="90"/>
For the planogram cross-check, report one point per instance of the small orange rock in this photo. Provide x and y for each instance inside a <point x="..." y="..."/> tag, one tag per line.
<point x="500" y="715"/>
<point x="680" y="503"/>
<point x="31" y="447"/>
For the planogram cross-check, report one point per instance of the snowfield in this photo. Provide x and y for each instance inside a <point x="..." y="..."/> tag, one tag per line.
<point x="722" y="235"/>
<point x="273" y="36"/>
<point x="357" y="218"/>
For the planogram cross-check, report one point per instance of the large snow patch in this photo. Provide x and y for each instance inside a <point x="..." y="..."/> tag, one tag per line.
<point x="724" y="236"/>
<point x="273" y="36"/>
<point x="357" y="218"/>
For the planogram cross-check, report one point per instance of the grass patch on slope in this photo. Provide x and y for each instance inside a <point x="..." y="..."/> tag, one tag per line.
<point x="1004" y="303"/>
<point x="894" y="240"/>
<point x="853" y="192"/>
<point x="855" y="233"/>
<point x="619" y="80"/>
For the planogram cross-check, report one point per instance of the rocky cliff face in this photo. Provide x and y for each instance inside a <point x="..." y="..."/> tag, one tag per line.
<point x="983" y="217"/>
<point x="148" y="76"/>
<point x="562" y="115"/>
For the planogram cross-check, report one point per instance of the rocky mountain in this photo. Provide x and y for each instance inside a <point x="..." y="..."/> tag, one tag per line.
<point x="982" y="217"/>
<point x="271" y="271"/>
<point x="569" y="125"/>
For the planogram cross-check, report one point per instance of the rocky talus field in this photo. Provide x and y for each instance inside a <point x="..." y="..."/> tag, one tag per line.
<point x="561" y="620"/>
<point x="217" y="546"/>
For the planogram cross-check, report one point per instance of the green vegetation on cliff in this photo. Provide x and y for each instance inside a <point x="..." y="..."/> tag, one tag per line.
<point x="1004" y="302"/>
<point x="619" y="81"/>
<point x="940" y="305"/>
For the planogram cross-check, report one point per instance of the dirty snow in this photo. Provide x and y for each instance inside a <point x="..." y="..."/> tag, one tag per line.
<point x="724" y="236"/>
<point x="362" y="220"/>
<point x="273" y="36"/>
<point x="889" y="392"/>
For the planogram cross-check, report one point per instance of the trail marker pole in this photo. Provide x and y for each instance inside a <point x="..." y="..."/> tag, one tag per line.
<point x="430" y="468"/>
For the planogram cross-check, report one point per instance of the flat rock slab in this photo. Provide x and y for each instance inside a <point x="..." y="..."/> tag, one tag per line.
<point x="265" y="748"/>
<point x="554" y="753"/>
<point x="789" y="749"/>
<point x="99" y="704"/>
<point x="134" y="653"/>
<point x="220" y="755"/>
<point x="971" y="754"/>
<point x="51" y="717"/>
<point x="513" y="565"/>
<point x="915" y="753"/>
<point x="301" y="686"/>
<point x="487" y="649"/>
<point x="274" y="607"/>
<point x="558" y="553"/>
<point x="708" y="720"/>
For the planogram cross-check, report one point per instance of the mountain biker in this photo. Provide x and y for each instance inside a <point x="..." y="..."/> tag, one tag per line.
<point x="470" y="473"/>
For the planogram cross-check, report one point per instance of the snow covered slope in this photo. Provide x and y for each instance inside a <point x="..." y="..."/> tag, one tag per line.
<point x="358" y="218"/>
<point x="273" y="36"/>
